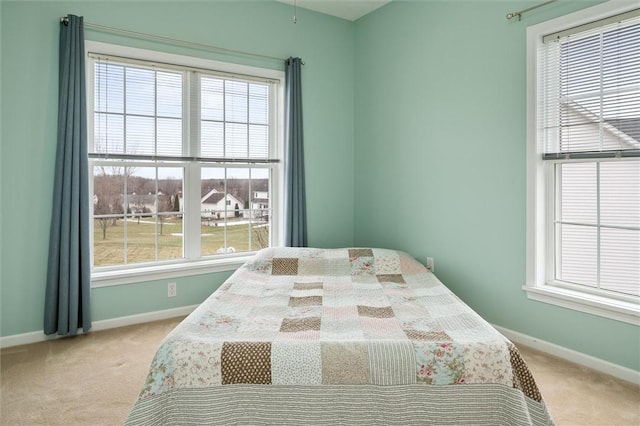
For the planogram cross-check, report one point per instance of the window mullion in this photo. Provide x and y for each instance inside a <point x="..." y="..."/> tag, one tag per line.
<point x="557" y="228"/>
<point x="192" y="213"/>
<point x="598" y="227"/>
<point x="125" y="205"/>
<point x="191" y="146"/>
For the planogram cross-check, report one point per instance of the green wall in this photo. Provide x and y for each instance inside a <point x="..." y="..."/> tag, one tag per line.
<point x="440" y="159"/>
<point x="415" y="140"/>
<point x="29" y="71"/>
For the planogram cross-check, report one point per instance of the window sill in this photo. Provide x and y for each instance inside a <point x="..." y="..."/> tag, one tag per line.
<point x="161" y="272"/>
<point x="618" y="310"/>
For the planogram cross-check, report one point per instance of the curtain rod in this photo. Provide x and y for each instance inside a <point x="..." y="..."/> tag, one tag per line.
<point x="65" y="20"/>
<point x="519" y="14"/>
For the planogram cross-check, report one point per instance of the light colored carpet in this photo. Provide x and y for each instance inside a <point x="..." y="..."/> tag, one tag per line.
<point x="94" y="379"/>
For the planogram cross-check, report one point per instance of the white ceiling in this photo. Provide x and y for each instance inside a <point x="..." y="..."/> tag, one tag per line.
<point x="346" y="9"/>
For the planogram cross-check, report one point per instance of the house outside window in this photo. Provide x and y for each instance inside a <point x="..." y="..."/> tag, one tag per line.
<point x="177" y="147"/>
<point x="583" y="162"/>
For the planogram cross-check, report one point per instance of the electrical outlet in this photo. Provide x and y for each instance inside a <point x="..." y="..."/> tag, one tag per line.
<point x="172" y="290"/>
<point x="431" y="264"/>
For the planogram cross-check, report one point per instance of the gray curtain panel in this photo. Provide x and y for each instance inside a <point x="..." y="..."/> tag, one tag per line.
<point x="67" y="300"/>
<point x="295" y="205"/>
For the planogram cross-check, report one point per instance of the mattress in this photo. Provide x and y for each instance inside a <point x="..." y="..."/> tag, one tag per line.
<point x="336" y="336"/>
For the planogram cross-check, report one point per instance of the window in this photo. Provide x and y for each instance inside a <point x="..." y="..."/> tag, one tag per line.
<point x="177" y="148"/>
<point x="583" y="200"/>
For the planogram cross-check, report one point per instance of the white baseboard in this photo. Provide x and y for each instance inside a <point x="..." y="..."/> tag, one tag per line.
<point x="39" y="336"/>
<point x="576" y="357"/>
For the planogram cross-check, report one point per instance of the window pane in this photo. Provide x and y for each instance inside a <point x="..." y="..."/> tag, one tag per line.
<point x="169" y="230"/>
<point x="578" y="192"/>
<point x="258" y="103"/>
<point x="140" y="135"/>
<point x="169" y="136"/>
<point x="108" y="242"/>
<point x="108" y="214"/>
<point x="141" y="226"/>
<point x="236" y="101"/>
<point x="620" y="261"/>
<point x="152" y="227"/>
<point x="620" y="193"/>
<point x="260" y="237"/>
<point x="260" y="206"/>
<point x="169" y="87"/>
<point x="108" y="133"/>
<point x="212" y="139"/>
<point x="235" y="209"/>
<point x="141" y="241"/>
<point x="109" y="88"/>
<point x="140" y="91"/>
<point x="237" y="143"/>
<point x="258" y="141"/>
<point x="211" y="98"/>
<point x="577" y="257"/>
<point x="212" y="210"/>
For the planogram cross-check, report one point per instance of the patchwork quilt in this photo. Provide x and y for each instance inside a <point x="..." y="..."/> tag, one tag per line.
<point x="351" y="336"/>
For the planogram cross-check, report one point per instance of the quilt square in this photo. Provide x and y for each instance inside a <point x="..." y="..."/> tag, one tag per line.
<point x="344" y="363"/>
<point x="392" y="363"/>
<point x="359" y="252"/>
<point x="311" y="266"/>
<point x="382" y="329"/>
<point x="440" y="363"/>
<point x="296" y="363"/>
<point x="375" y="312"/>
<point x="284" y="266"/>
<point x="293" y="325"/>
<point x="305" y="301"/>
<point x="197" y="364"/>
<point x="428" y="336"/>
<point x="362" y="266"/>
<point x="246" y="362"/>
<point x="359" y="280"/>
<point x="391" y="278"/>
<point x="307" y="286"/>
<point x="388" y="264"/>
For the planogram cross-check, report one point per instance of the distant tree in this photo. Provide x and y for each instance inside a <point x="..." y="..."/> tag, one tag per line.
<point x="108" y="186"/>
<point x="261" y="234"/>
<point x="164" y="205"/>
<point x="176" y="203"/>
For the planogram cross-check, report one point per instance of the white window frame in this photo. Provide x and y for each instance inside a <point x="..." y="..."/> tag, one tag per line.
<point x="191" y="265"/>
<point x="539" y="284"/>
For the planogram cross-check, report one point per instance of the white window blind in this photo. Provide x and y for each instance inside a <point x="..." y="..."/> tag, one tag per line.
<point x="590" y="114"/>
<point x="591" y="88"/>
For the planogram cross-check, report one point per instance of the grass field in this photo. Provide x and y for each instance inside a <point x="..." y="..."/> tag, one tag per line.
<point x="141" y="240"/>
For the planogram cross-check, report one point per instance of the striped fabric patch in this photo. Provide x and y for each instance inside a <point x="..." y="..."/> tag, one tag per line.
<point x="392" y="363"/>
<point x="367" y="405"/>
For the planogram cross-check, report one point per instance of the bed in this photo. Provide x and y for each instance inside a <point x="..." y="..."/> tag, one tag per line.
<point x="353" y="336"/>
